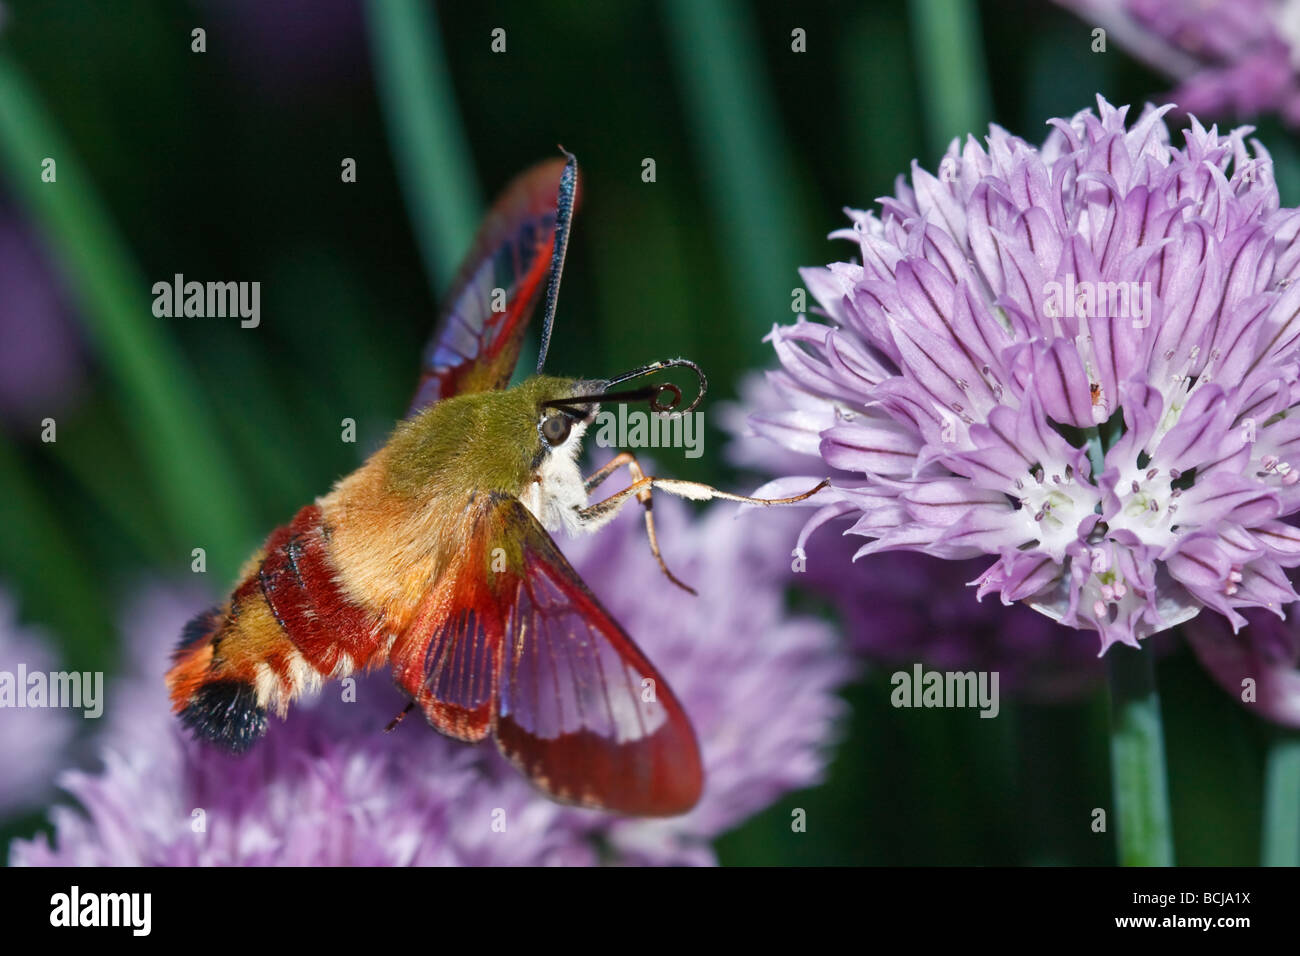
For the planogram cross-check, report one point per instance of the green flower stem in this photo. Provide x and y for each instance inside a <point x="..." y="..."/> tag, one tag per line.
<point x="950" y="63"/>
<point x="428" y="141"/>
<point x="750" y="185"/>
<point x="1137" y="754"/>
<point x="196" y="483"/>
<point x="1281" y="843"/>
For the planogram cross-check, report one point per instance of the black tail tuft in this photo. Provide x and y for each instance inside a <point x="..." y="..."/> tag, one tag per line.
<point x="225" y="712"/>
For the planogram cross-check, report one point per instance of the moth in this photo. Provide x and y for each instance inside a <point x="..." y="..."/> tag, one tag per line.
<point x="435" y="558"/>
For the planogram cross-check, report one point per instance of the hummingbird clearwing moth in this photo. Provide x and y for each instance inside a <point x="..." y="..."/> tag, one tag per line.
<point x="434" y="556"/>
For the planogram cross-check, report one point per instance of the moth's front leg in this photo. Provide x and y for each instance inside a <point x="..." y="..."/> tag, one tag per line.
<point x="593" y="516"/>
<point x="597" y="477"/>
<point x="641" y="485"/>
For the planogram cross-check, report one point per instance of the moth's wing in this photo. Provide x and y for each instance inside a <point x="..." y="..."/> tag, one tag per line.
<point x="580" y="710"/>
<point x="448" y="657"/>
<point x="473" y="348"/>
<point x="526" y="649"/>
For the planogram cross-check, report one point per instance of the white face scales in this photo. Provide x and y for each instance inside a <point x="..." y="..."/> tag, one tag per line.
<point x="557" y="494"/>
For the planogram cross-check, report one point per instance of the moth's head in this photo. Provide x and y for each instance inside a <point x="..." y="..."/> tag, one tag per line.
<point x="561" y="409"/>
<point x="565" y="407"/>
<point x="499" y="439"/>
<point x="489" y="441"/>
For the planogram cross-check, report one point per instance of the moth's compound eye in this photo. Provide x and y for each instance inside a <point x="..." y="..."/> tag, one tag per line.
<point x="555" y="429"/>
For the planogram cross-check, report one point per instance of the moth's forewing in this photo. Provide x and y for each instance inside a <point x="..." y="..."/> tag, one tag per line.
<point x="476" y="343"/>
<point x="526" y="650"/>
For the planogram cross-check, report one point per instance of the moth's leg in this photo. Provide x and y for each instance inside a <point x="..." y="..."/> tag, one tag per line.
<point x="592" y="517"/>
<point x="596" y="516"/>
<point x="602" y="511"/>
<point x="597" y="477"/>
<point x="695" y="491"/>
<point x="392" y="724"/>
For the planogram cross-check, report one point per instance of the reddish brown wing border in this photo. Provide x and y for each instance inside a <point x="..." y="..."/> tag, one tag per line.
<point x="473" y="348"/>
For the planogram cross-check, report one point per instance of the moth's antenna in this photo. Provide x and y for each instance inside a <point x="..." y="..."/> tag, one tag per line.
<point x="563" y="214"/>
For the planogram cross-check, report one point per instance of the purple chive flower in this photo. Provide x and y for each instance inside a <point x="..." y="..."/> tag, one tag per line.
<point x="906" y="608"/>
<point x="328" y="787"/>
<point x="1229" y="57"/>
<point x="1078" y="360"/>
<point x="1259" y="666"/>
<point x="32" y="741"/>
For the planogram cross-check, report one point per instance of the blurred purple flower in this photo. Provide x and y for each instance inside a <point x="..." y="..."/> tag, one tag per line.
<point x="33" y="743"/>
<point x="1079" y="359"/>
<point x="293" y="49"/>
<point x="328" y="787"/>
<point x="910" y="608"/>
<point x="41" y="362"/>
<point x="901" y="609"/>
<point x="1230" y="58"/>
<point x="1266" y="653"/>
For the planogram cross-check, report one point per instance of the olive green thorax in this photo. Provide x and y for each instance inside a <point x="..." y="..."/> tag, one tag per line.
<point x="483" y="441"/>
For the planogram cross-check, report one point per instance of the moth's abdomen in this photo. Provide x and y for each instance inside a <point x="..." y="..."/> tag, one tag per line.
<point x="287" y="626"/>
<point x="219" y="709"/>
